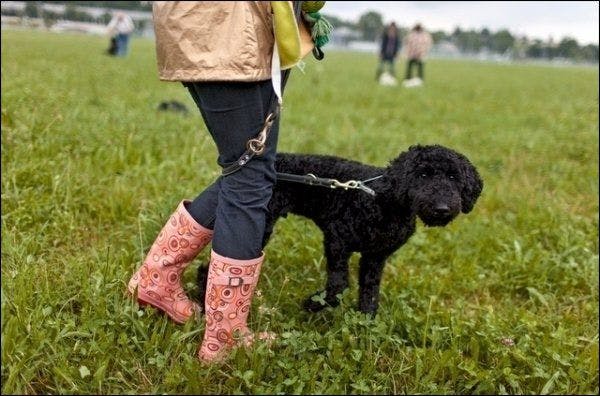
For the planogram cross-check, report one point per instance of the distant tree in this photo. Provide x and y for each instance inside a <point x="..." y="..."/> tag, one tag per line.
<point x="370" y="25"/>
<point x="535" y="49"/>
<point x="519" y="50"/>
<point x="466" y="40"/>
<point x="123" y="5"/>
<point x="457" y="32"/>
<point x="72" y="13"/>
<point x="502" y="41"/>
<point x="105" y="18"/>
<point x="568" y="48"/>
<point x="337" y="22"/>
<point x="140" y="25"/>
<point x="485" y="38"/>
<point x="590" y="53"/>
<point x="438" y="36"/>
<point x="32" y="9"/>
<point x="50" y="18"/>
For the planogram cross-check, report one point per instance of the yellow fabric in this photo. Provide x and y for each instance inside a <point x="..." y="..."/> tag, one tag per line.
<point x="287" y="34"/>
<point x="293" y="40"/>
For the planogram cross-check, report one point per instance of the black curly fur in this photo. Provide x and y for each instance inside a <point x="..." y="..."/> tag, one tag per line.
<point x="432" y="182"/>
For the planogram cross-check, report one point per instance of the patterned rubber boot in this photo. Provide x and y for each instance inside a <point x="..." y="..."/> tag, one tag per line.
<point x="229" y="290"/>
<point x="158" y="280"/>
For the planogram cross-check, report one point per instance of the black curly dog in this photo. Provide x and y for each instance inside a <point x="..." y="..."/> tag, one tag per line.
<point x="432" y="182"/>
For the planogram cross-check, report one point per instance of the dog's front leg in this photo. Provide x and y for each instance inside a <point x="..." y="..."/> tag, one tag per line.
<point x="371" y="268"/>
<point x="337" y="277"/>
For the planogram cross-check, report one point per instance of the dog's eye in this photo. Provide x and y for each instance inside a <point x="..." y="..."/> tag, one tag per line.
<point x="425" y="172"/>
<point x="451" y="177"/>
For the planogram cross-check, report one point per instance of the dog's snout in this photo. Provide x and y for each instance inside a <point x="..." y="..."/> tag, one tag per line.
<point x="442" y="209"/>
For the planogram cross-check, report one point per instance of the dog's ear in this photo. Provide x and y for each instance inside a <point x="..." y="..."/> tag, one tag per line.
<point x="397" y="174"/>
<point x="472" y="185"/>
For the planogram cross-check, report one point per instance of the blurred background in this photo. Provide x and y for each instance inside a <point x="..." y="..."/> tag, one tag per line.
<point x="501" y="31"/>
<point x="96" y="150"/>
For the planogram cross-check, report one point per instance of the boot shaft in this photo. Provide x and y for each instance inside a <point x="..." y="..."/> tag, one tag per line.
<point x="229" y="290"/>
<point x="180" y="239"/>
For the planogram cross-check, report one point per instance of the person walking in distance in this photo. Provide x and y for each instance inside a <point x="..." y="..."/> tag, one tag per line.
<point x="390" y="45"/>
<point x="120" y="28"/>
<point x="416" y="46"/>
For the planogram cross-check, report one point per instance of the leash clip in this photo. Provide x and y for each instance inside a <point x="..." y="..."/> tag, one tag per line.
<point x="257" y="145"/>
<point x="353" y="184"/>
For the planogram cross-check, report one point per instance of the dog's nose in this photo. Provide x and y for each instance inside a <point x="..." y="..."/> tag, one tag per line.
<point x="442" y="209"/>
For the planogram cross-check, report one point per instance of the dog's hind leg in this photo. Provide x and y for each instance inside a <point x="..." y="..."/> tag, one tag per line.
<point x="371" y="269"/>
<point x="201" y="278"/>
<point x="337" y="277"/>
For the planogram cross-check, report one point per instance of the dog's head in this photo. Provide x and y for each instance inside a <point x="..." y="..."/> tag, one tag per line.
<point x="437" y="183"/>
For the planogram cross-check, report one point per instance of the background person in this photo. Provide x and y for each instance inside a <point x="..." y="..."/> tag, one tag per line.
<point x="416" y="46"/>
<point x="120" y="28"/>
<point x="390" y="44"/>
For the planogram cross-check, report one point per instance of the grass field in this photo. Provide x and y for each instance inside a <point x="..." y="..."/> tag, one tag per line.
<point x="503" y="300"/>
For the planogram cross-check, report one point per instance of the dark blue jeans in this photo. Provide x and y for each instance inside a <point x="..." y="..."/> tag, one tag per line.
<point x="383" y="64"/>
<point x="235" y="206"/>
<point x="122" y="44"/>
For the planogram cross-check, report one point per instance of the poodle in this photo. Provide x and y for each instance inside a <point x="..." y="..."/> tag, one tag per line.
<point x="432" y="182"/>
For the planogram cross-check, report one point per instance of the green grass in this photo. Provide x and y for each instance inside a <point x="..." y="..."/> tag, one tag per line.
<point x="90" y="173"/>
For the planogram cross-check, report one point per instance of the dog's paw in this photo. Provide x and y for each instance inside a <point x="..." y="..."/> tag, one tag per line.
<point x="368" y="304"/>
<point x="369" y="312"/>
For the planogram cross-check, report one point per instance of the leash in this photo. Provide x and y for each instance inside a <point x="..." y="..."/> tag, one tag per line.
<point x="256" y="146"/>
<point x="313" y="180"/>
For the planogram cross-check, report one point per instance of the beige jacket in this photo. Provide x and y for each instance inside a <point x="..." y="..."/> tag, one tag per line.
<point x="417" y="44"/>
<point x="213" y="40"/>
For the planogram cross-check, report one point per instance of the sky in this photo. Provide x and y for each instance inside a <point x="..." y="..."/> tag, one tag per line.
<point x="534" y="19"/>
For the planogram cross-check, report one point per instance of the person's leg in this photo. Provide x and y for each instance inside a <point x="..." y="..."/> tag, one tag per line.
<point x="203" y="208"/>
<point x="392" y="68"/>
<point x="235" y="113"/>
<point x="158" y="280"/>
<point x="235" y="205"/>
<point x="125" y="46"/>
<point x="120" y="44"/>
<point x="409" y="66"/>
<point x="420" y="69"/>
<point x="184" y="236"/>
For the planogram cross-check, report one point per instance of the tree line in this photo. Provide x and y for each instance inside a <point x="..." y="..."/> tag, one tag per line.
<point x="369" y="25"/>
<point x="73" y="12"/>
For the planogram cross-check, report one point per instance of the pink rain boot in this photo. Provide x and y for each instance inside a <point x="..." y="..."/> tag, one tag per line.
<point x="158" y="280"/>
<point x="229" y="290"/>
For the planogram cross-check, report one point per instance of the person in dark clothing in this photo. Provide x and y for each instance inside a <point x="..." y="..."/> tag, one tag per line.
<point x="390" y="45"/>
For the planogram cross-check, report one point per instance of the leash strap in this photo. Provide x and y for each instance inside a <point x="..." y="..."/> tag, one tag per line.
<point x="313" y="180"/>
<point x="279" y="79"/>
<point x="257" y="145"/>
